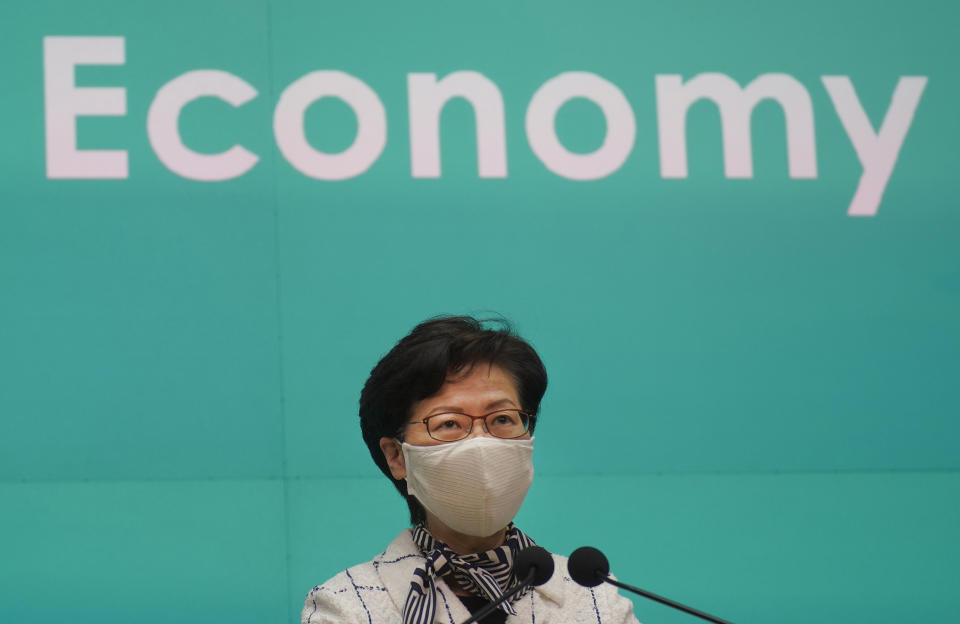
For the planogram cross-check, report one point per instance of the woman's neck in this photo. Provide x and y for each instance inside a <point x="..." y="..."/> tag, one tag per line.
<point x="461" y="543"/>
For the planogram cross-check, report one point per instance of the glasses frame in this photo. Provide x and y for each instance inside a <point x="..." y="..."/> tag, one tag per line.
<point x="530" y="420"/>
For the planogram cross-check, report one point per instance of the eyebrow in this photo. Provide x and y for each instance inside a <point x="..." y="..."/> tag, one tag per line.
<point x="443" y="409"/>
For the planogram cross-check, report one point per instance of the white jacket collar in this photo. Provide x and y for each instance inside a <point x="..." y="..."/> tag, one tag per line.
<point x="396" y="564"/>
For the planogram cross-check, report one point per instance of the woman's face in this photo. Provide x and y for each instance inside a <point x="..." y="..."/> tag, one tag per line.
<point x="483" y="389"/>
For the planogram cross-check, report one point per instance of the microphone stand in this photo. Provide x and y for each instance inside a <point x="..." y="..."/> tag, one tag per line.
<point x="488" y="609"/>
<point x="666" y="601"/>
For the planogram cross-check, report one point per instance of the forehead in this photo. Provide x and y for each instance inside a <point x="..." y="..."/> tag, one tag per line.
<point x="482" y="387"/>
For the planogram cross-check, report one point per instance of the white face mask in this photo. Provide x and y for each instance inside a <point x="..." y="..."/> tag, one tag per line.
<point x="475" y="486"/>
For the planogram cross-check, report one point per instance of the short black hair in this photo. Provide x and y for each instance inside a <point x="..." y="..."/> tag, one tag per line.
<point x="417" y="367"/>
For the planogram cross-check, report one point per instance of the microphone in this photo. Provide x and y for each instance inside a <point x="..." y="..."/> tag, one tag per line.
<point x="589" y="567"/>
<point x="533" y="565"/>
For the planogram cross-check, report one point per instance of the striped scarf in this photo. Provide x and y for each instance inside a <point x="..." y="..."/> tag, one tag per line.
<point x="488" y="574"/>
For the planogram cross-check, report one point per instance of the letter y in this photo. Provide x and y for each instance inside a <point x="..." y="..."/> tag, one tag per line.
<point x="877" y="151"/>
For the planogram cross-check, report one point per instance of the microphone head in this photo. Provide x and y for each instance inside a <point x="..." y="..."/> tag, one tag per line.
<point x="536" y="559"/>
<point x="588" y="566"/>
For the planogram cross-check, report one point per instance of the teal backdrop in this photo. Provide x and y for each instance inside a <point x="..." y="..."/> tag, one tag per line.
<point x="754" y="397"/>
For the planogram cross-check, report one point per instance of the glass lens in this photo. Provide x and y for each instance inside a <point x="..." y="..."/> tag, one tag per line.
<point x="506" y="424"/>
<point x="449" y="427"/>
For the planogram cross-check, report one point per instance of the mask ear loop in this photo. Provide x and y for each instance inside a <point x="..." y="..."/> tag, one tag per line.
<point x="399" y="435"/>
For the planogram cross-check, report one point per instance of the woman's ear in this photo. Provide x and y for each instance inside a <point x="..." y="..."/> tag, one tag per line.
<point x="394" y="456"/>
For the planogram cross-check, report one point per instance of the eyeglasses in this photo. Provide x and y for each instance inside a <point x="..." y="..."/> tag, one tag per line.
<point x="451" y="426"/>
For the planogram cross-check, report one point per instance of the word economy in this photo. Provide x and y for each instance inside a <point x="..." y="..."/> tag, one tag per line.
<point x="64" y="102"/>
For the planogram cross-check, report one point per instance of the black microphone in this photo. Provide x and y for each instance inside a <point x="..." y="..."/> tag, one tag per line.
<point x="533" y="565"/>
<point x="589" y="567"/>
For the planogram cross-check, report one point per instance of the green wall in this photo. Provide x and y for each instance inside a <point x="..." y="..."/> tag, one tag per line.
<point x="753" y="399"/>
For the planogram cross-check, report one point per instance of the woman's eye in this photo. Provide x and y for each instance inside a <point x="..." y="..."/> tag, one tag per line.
<point x="449" y="424"/>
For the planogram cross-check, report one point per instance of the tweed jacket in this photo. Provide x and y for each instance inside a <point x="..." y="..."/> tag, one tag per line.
<point x="374" y="593"/>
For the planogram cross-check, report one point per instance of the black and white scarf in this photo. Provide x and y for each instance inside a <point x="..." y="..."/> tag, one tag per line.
<point x="488" y="574"/>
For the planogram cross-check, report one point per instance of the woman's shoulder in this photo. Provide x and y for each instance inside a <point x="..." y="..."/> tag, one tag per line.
<point x="361" y="576"/>
<point x="362" y="585"/>
<point x="602" y="602"/>
<point x="341" y="582"/>
<point x="342" y="597"/>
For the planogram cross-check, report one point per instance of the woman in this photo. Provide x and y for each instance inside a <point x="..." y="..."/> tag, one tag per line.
<point x="448" y="415"/>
